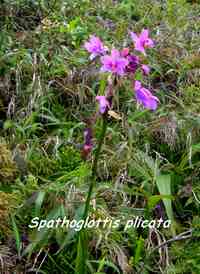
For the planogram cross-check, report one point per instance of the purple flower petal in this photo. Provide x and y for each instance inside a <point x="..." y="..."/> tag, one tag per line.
<point x="124" y="52"/>
<point x="142" y="41"/>
<point x="87" y="146"/>
<point x="95" y="47"/>
<point x="138" y="85"/>
<point x="133" y="63"/>
<point x="104" y="104"/>
<point x="134" y="36"/>
<point x="114" y="63"/>
<point x="145" y="97"/>
<point x="144" y="34"/>
<point x="88" y="136"/>
<point x="145" y="69"/>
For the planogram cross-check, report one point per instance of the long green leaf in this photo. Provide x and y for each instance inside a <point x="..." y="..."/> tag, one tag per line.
<point x="38" y="202"/>
<point x="82" y="253"/>
<point x="163" y="182"/>
<point x="17" y="235"/>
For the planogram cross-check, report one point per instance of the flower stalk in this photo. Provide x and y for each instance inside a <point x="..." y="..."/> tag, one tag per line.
<point x="82" y="252"/>
<point x="95" y="163"/>
<point x="118" y="64"/>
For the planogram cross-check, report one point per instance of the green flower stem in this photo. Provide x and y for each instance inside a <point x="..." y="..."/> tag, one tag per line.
<point x="94" y="166"/>
<point x="82" y="248"/>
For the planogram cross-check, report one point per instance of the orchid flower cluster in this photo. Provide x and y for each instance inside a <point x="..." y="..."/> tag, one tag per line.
<point x="120" y="64"/>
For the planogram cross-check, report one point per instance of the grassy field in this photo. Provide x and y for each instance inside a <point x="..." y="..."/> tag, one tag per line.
<point x="140" y="163"/>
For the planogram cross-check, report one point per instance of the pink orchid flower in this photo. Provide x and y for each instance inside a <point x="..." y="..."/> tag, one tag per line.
<point x="114" y="63"/>
<point x="142" y="41"/>
<point x="95" y="46"/>
<point x="125" y="52"/>
<point x="133" y="63"/>
<point x="87" y="146"/>
<point x="104" y="104"/>
<point x="145" y="97"/>
<point x="145" y="69"/>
